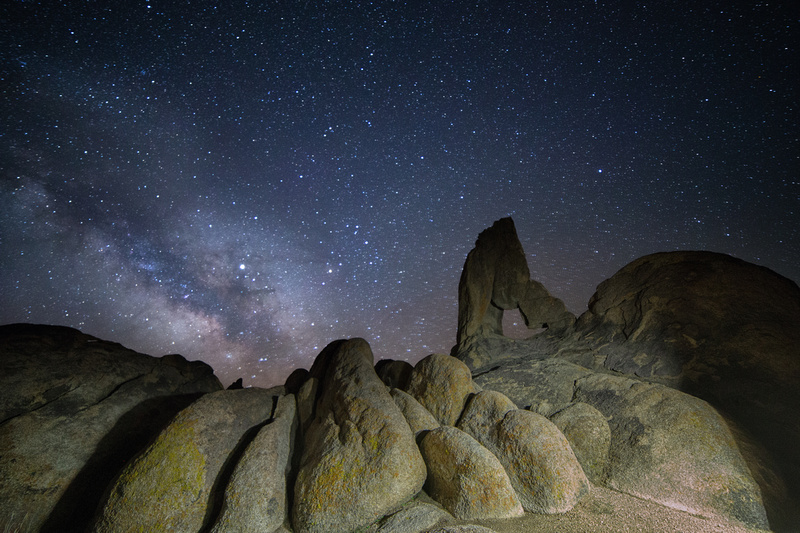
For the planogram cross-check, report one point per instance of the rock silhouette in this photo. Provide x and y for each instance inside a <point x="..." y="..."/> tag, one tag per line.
<point x="636" y="397"/>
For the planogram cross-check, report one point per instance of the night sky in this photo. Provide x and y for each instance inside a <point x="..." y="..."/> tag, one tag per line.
<point x="243" y="182"/>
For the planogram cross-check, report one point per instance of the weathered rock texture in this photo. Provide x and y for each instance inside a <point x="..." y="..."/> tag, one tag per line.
<point x="171" y="486"/>
<point x="419" y="419"/>
<point x="719" y="328"/>
<point x="466" y="478"/>
<point x="707" y="324"/>
<point x="255" y="497"/>
<point x="588" y="434"/>
<point x="395" y="374"/>
<point x="496" y="278"/>
<point x="73" y="410"/>
<point x="544" y="386"/>
<point x="672" y="448"/>
<point x="414" y="518"/>
<point x="483" y="412"/>
<point x="665" y="445"/>
<point x="360" y="459"/>
<point x="442" y="384"/>
<point x="537" y="458"/>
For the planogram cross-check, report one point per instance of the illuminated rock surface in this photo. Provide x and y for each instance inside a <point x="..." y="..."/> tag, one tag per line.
<point x="627" y="397"/>
<point x="73" y="410"/>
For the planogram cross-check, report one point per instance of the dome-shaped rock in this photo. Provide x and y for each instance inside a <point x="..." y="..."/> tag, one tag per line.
<point x="442" y="384"/>
<point x="466" y="478"/>
<point x="588" y="434"/>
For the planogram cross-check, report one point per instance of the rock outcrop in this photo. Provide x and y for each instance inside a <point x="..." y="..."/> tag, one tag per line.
<point x="175" y="478"/>
<point x="672" y="448"/>
<point x="360" y="459"/>
<point x="625" y="398"/>
<point x="538" y="459"/>
<point x="73" y="410"/>
<point x="419" y="419"/>
<point x="710" y="325"/>
<point x="719" y="328"/>
<point x="483" y="412"/>
<point x="256" y="495"/>
<point x="495" y="278"/>
<point x="665" y="445"/>
<point x="589" y="435"/>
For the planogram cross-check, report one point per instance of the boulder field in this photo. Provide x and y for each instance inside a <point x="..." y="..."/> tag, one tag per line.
<point x="634" y="398"/>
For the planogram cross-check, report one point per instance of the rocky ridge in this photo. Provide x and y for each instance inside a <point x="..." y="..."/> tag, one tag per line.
<point x="496" y="433"/>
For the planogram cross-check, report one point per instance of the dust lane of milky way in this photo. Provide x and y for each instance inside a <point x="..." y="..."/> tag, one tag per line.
<point x="244" y="182"/>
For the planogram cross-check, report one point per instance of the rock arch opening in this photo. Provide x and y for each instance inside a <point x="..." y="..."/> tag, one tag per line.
<point x="514" y="325"/>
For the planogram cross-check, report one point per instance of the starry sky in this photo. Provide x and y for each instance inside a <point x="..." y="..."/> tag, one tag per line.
<point x="242" y="182"/>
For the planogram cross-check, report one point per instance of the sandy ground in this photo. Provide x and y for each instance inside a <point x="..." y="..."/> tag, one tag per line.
<point x="604" y="510"/>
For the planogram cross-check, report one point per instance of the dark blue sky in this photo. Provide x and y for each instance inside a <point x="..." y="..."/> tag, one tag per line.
<point x="244" y="182"/>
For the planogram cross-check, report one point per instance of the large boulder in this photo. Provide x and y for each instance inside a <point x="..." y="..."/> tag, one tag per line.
<point x="255" y="496"/>
<point x="674" y="449"/>
<point x="419" y="419"/>
<point x="697" y="320"/>
<point x="173" y="484"/>
<point x="442" y="384"/>
<point x="665" y="445"/>
<point x="719" y="328"/>
<point x="589" y="436"/>
<point x="73" y="410"/>
<point x="538" y="460"/>
<point x="360" y="460"/>
<point x="496" y="278"/>
<point x="484" y="411"/>
<point x="466" y="478"/>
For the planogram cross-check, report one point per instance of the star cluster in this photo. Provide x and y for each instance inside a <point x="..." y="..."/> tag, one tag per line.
<point x="243" y="182"/>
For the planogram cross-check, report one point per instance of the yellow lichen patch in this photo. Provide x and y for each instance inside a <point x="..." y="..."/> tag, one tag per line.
<point x="167" y="480"/>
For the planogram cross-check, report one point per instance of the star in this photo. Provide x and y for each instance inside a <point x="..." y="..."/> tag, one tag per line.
<point x="245" y="184"/>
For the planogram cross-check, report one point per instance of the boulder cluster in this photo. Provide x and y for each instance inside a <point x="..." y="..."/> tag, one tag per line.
<point x="95" y="437"/>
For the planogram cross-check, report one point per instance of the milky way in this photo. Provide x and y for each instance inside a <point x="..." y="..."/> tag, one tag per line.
<point x="244" y="182"/>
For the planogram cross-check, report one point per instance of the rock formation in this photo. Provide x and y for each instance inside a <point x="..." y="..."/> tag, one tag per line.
<point x="256" y="495"/>
<point x="589" y="435"/>
<point x="708" y="324"/>
<point x="496" y="278"/>
<point x="419" y="419"/>
<point x="637" y="399"/>
<point x="442" y="384"/>
<point x="467" y="478"/>
<point x="74" y="410"/>
<point x="176" y="477"/>
<point x="719" y="328"/>
<point x="360" y="460"/>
